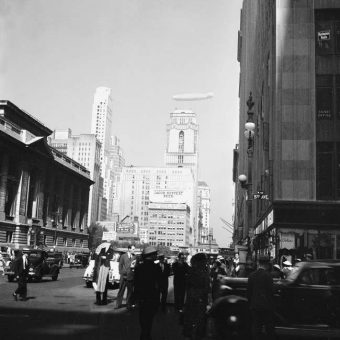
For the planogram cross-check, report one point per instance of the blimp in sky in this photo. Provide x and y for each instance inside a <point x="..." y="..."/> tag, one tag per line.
<point x="192" y="96"/>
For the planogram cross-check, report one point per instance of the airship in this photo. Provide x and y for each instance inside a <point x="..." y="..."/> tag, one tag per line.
<point x="192" y="96"/>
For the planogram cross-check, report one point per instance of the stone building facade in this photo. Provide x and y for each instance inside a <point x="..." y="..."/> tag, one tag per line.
<point x="288" y="203"/>
<point x="43" y="193"/>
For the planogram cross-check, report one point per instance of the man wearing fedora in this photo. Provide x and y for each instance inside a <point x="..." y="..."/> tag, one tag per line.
<point x="126" y="278"/>
<point x="260" y="295"/>
<point x="165" y="273"/>
<point x="147" y="290"/>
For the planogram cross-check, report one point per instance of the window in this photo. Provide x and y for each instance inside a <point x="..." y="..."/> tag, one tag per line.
<point x="324" y="97"/>
<point x="327" y="170"/>
<point x="181" y="142"/>
<point x="9" y="236"/>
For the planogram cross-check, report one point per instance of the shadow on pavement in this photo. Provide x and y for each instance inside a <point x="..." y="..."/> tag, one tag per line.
<point x="103" y="322"/>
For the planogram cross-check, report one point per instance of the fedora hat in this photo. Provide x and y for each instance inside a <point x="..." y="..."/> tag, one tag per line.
<point x="149" y="250"/>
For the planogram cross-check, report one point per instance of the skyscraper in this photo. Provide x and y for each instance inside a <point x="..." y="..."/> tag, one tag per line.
<point x="101" y="126"/>
<point x="84" y="149"/>
<point x="182" y="152"/>
<point x="182" y="141"/>
<point x="141" y="186"/>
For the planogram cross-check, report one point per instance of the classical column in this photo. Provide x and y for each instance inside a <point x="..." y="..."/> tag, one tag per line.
<point x="23" y="193"/>
<point x="41" y="196"/>
<point x="70" y="205"/>
<point x="3" y="184"/>
<point x="61" y="202"/>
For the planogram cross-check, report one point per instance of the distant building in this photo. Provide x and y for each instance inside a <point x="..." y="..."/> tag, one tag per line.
<point x="101" y="126"/>
<point x="137" y="184"/>
<point x="169" y="224"/>
<point x="84" y="149"/>
<point x="116" y="164"/>
<point x="44" y="194"/>
<point x="182" y="152"/>
<point x="203" y="204"/>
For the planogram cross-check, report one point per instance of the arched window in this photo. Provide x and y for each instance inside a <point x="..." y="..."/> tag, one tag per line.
<point x="181" y="142"/>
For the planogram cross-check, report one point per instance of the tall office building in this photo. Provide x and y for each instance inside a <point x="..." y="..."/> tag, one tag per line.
<point x="140" y="186"/>
<point x="182" y="141"/>
<point x="101" y="126"/>
<point x="85" y="149"/>
<point x="116" y="164"/>
<point x="288" y="201"/>
<point x="182" y="152"/>
<point x="203" y="205"/>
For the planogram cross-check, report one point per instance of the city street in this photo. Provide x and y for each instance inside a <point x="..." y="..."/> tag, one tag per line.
<point x="65" y="309"/>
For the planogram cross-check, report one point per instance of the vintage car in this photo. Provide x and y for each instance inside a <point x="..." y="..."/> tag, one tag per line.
<point x="114" y="275"/>
<point x="308" y="297"/>
<point x="39" y="266"/>
<point x="55" y="257"/>
<point x="80" y="261"/>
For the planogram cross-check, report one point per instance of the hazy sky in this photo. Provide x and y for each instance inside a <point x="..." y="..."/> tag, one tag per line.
<point x="54" y="53"/>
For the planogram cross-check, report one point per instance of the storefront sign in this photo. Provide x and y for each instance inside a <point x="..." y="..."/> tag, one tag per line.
<point x="260" y="195"/>
<point x="324" y="35"/>
<point x="287" y="240"/>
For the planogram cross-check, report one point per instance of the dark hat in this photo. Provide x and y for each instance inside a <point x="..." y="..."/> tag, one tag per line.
<point x="264" y="259"/>
<point x="149" y="250"/>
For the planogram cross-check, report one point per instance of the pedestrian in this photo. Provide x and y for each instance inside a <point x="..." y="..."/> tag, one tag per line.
<point x="287" y="268"/>
<point x="260" y="293"/>
<point x="197" y="297"/>
<point x="236" y="265"/>
<point x="2" y="265"/>
<point x="216" y="270"/>
<point x="180" y="269"/>
<point x="20" y="271"/>
<point x="101" y="274"/>
<point x="165" y="273"/>
<point x="126" y="266"/>
<point x="276" y="272"/>
<point x="147" y="290"/>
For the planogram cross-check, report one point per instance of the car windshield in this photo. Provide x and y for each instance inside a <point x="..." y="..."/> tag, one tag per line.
<point x="34" y="257"/>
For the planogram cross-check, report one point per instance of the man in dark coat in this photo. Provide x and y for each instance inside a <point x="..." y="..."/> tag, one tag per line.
<point x="180" y="269"/>
<point x="20" y="272"/>
<point x="147" y="290"/>
<point x="165" y="273"/>
<point x="260" y="295"/>
<point x="126" y="278"/>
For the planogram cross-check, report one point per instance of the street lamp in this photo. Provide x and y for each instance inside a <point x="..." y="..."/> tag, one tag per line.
<point x="250" y="126"/>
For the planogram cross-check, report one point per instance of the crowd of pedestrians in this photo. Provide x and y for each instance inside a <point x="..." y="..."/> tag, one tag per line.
<point x="145" y="279"/>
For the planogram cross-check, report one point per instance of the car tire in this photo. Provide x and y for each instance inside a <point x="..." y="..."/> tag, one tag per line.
<point x="55" y="277"/>
<point x="88" y="284"/>
<point x="10" y="278"/>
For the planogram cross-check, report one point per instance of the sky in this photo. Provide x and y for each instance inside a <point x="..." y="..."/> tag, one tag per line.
<point x="55" y="53"/>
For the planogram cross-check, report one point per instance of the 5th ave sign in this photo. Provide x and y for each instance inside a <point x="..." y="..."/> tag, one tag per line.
<point x="260" y="196"/>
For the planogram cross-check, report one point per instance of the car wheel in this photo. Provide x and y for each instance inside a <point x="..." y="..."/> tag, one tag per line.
<point x="88" y="284"/>
<point x="54" y="277"/>
<point x="10" y="278"/>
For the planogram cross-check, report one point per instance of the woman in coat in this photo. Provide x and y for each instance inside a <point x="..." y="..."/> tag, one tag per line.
<point x="197" y="297"/>
<point x="101" y="274"/>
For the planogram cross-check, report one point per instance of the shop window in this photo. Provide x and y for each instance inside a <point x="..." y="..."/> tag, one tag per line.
<point x="324" y="170"/>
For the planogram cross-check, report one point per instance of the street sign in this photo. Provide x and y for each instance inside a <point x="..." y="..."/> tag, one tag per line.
<point x="260" y="196"/>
